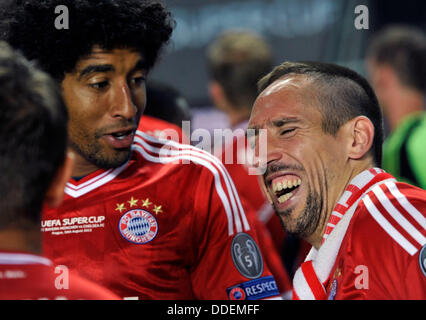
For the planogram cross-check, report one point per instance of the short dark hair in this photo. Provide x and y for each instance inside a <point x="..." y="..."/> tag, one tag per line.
<point x="167" y="103"/>
<point x="342" y="95"/>
<point x="140" y="24"/>
<point x="237" y="59"/>
<point x="33" y="137"/>
<point x="404" y="49"/>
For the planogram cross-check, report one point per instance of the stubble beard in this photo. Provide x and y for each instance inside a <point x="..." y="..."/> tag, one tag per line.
<point x="95" y="153"/>
<point x="307" y="222"/>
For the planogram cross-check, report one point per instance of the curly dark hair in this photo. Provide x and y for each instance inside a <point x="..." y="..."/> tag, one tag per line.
<point x="28" y="25"/>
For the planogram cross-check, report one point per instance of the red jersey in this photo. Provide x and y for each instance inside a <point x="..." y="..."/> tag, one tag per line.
<point x="270" y="232"/>
<point x="375" y="245"/>
<point x="162" y="129"/>
<point x="166" y="225"/>
<point x="26" y="276"/>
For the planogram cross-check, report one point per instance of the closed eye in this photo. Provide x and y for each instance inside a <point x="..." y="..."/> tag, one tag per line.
<point x="287" y="131"/>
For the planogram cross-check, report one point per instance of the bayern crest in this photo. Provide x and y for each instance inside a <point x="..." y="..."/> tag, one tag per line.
<point x="138" y="226"/>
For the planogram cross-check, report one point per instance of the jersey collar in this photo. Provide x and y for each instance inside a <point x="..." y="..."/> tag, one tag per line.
<point x="94" y="180"/>
<point x="353" y="192"/>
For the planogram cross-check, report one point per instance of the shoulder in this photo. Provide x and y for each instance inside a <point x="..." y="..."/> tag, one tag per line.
<point x="214" y="187"/>
<point x="160" y="128"/>
<point x="409" y="125"/>
<point x="385" y="239"/>
<point x="183" y="156"/>
<point x="411" y="129"/>
<point x="416" y="139"/>
<point x="392" y="214"/>
<point x="84" y="289"/>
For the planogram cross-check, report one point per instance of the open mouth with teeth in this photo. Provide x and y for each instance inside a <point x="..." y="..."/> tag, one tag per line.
<point x="120" y="139"/>
<point x="121" y="135"/>
<point x="284" y="188"/>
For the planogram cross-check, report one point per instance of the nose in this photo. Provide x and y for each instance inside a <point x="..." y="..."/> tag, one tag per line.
<point x="265" y="151"/>
<point x="123" y="105"/>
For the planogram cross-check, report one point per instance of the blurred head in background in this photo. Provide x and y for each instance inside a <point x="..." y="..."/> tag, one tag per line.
<point x="33" y="139"/>
<point x="396" y="63"/>
<point x="237" y="59"/>
<point x="166" y="103"/>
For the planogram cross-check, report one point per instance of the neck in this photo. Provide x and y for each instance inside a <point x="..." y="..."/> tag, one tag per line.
<point x="403" y="103"/>
<point x="82" y="167"/>
<point x="340" y="183"/>
<point x="16" y="239"/>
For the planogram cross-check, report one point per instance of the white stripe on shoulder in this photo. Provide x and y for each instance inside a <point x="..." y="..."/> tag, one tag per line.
<point x="162" y="157"/>
<point x="390" y="230"/>
<point x="205" y="155"/>
<point x="206" y="164"/>
<point x="397" y="216"/>
<point x="403" y="201"/>
<point x="190" y="151"/>
<point x="23" y="259"/>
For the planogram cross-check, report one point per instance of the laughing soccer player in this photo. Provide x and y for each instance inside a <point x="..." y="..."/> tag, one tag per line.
<point x="367" y="230"/>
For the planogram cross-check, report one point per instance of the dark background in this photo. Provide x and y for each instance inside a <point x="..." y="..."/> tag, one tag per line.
<point x="296" y="29"/>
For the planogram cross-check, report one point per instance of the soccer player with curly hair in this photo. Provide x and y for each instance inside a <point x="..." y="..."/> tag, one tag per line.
<point x="146" y="218"/>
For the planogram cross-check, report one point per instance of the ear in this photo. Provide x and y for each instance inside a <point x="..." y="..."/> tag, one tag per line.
<point x="361" y="131"/>
<point x="55" y="193"/>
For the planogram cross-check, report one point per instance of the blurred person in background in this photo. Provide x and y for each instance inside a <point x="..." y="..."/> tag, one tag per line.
<point x="396" y="63"/>
<point x="35" y="167"/>
<point x="237" y="59"/>
<point x="166" y="103"/>
<point x="165" y="110"/>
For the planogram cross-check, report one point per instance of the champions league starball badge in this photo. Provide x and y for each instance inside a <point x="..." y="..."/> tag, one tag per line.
<point x="138" y="226"/>
<point x="246" y="256"/>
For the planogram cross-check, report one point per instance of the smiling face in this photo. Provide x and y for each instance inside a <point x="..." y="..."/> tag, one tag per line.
<point x="105" y="97"/>
<point x="304" y="164"/>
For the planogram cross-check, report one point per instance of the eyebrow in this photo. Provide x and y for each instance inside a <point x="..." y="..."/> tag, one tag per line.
<point x="283" y="121"/>
<point x="101" y="68"/>
<point x="96" y="68"/>
<point x="275" y="123"/>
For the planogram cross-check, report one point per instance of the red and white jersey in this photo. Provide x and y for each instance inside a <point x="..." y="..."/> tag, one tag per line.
<point x="166" y="225"/>
<point x="374" y="247"/>
<point x="26" y="276"/>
